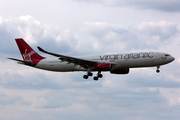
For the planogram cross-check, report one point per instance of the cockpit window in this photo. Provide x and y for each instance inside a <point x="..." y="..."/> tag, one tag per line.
<point x="167" y="55"/>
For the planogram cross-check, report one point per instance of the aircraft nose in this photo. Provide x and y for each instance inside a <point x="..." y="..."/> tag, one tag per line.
<point x="172" y="58"/>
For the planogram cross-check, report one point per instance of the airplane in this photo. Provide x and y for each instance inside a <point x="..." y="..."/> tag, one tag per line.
<point x="114" y="63"/>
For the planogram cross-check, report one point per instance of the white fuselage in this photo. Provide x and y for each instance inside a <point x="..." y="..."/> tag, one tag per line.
<point x="114" y="63"/>
<point x="131" y="60"/>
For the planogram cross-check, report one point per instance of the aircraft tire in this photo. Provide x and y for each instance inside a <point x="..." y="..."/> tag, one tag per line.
<point x="100" y="75"/>
<point x="95" y="78"/>
<point x="90" y="74"/>
<point x="157" y="71"/>
<point x="85" y="76"/>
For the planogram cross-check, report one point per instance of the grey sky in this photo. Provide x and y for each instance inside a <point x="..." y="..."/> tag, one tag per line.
<point x="84" y="27"/>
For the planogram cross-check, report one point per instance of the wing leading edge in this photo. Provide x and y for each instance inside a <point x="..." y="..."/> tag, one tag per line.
<point x="76" y="61"/>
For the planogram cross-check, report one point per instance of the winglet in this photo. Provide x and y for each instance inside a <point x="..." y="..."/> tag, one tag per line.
<point x="40" y="49"/>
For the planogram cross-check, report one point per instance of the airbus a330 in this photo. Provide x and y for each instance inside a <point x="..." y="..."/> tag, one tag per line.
<point x="115" y="63"/>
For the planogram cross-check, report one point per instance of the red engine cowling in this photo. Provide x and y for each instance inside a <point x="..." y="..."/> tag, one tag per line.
<point x="120" y="71"/>
<point x="102" y="67"/>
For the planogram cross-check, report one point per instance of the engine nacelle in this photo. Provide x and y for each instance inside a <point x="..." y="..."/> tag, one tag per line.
<point x="120" y="71"/>
<point x="103" y="67"/>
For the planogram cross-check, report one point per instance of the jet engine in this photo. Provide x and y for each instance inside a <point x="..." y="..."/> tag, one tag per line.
<point x="120" y="71"/>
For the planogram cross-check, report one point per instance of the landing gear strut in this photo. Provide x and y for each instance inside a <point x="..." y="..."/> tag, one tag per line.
<point x="158" y="69"/>
<point x="99" y="75"/>
<point x="88" y="74"/>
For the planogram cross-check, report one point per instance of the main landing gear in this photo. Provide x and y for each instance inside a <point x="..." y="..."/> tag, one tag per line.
<point x="158" y="69"/>
<point x="99" y="75"/>
<point x="88" y="74"/>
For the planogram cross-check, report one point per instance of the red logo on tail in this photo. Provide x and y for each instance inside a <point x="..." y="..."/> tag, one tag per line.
<point x="27" y="56"/>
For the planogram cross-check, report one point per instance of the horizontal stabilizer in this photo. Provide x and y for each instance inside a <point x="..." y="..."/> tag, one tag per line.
<point x="21" y="61"/>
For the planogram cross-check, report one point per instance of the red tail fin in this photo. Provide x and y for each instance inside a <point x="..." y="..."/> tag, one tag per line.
<point x="26" y="51"/>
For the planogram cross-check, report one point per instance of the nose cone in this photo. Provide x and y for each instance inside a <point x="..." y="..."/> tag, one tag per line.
<point x="172" y="58"/>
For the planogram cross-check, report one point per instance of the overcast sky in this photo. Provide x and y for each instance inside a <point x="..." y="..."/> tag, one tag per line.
<point x="90" y="27"/>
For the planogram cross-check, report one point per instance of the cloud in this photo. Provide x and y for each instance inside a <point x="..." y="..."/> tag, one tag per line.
<point x="136" y="95"/>
<point x="166" y="79"/>
<point x="34" y="32"/>
<point x="30" y="81"/>
<point x="163" y="29"/>
<point x="147" y="35"/>
<point x="161" y="5"/>
<point x="166" y="6"/>
<point x="107" y="102"/>
<point x="6" y="100"/>
<point x="88" y="38"/>
<point x="16" y="76"/>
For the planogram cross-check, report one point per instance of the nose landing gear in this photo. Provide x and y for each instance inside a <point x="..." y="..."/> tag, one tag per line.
<point x="158" y="69"/>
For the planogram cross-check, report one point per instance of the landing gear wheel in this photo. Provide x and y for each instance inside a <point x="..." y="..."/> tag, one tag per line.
<point x="157" y="71"/>
<point x="90" y="74"/>
<point x="85" y="76"/>
<point x="95" y="78"/>
<point x="100" y="75"/>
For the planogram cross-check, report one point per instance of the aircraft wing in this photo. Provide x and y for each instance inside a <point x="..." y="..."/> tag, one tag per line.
<point x="76" y="61"/>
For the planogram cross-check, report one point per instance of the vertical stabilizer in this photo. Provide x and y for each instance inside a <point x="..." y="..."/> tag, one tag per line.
<point x="26" y="51"/>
